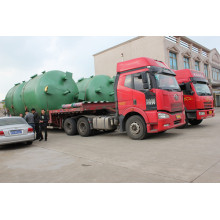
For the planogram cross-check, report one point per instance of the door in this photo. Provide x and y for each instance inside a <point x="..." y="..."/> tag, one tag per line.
<point x="125" y="93"/>
<point x="139" y="97"/>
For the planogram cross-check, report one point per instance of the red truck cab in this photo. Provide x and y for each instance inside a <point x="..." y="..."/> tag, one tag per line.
<point x="147" y="89"/>
<point x="198" y="99"/>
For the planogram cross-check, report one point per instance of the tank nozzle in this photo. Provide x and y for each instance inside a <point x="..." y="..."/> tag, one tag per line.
<point x="98" y="90"/>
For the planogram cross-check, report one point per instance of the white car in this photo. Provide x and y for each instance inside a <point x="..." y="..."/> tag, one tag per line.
<point x="15" y="130"/>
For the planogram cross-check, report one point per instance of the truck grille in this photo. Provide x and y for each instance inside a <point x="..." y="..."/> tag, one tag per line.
<point x="207" y="105"/>
<point x="175" y="107"/>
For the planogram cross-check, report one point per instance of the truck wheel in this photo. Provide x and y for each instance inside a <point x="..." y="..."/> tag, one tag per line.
<point x="136" y="128"/>
<point x="194" y="121"/>
<point x="70" y="126"/>
<point x="83" y="127"/>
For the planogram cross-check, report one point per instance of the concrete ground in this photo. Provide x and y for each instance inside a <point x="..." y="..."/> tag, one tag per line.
<point x="189" y="155"/>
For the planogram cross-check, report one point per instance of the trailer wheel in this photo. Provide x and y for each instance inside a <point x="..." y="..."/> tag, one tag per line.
<point x="83" y="127"/>
<point x="70" y="126"/>
<point x="136" y="128"/>
<point x="194" y="121"/>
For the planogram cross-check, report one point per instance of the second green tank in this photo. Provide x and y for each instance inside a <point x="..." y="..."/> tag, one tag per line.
<point x="96" y="88"/>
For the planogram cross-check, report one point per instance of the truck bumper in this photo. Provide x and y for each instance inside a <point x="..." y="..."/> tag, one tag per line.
<point x="174" y="120"/>
<point x="203" y="114"/>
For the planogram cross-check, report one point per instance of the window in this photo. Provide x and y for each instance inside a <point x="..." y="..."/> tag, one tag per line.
<point x="186" y="62"/>
<point x="202" y="89"/>
<point x="128" y="81"/>
<point x="173" y="61"/>
<point x="138" y="83"/>
<point x="197" y="65"/>
<point x="215" y="73"/>
<point x="166" y="82"/>
<point x="183" y="88"/>
<point x="12" y="121"/>
<point x="206" y="70"/>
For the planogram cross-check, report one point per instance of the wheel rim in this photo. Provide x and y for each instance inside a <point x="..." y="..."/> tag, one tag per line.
<point x="135" y="128"/>
<point x="82" y="127"/>
<point x="69" y="126"/>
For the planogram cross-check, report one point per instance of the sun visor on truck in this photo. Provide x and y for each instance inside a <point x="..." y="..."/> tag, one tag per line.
<point x="159" y="70"/>
<point x="199" y="79"/>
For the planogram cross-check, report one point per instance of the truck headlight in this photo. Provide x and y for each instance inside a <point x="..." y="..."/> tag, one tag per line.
<point x="163" y="115"/>
<point x="201" y="113"/>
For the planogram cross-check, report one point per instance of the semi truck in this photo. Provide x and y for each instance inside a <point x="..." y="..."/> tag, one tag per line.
<point x="198" y="98"/>
<point x="148" y="100"/>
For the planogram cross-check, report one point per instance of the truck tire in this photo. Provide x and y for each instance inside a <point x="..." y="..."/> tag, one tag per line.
<point x="69" y="126"/>
<point x="83" y="127"/>
<point x="136" y="128"/>
<point x="195" y="121"/>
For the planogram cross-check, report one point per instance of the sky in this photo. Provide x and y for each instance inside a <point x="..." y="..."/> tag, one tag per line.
<point x="23" y="57"/>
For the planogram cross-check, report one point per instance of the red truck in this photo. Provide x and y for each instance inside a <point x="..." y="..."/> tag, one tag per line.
<point x="198" y="99"/>
<point x="148" y="100"/>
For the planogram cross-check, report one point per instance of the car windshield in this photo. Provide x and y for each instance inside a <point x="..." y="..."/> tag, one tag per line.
<point x="12" y="121"/>
<point x="202" y="89"/>
<point x="167" y="82"/>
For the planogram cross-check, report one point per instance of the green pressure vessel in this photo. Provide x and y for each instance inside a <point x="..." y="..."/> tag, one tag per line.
<point x="9" y="99"/>
<point x="46" y="91"/>
<point x="96" y="88"/>
<point x="18" y="106"/>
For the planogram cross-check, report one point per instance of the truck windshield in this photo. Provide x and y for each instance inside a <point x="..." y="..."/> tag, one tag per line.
<point x="202" y="89"/>
<point x="167" y="82"/>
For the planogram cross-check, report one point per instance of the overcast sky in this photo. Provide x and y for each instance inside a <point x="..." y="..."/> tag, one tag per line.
<point x="22" y="57"/>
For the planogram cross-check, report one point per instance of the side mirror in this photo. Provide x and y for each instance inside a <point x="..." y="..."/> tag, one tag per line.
<point x="145" y="80"/>
<point x="189" y="89"/>
<point x="144" y="77"/>
<point x="145" y="85"/>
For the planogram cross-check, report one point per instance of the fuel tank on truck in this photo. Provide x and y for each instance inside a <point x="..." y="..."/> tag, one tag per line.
<point x="46" y="91"/>
<point x="96" y="88"/>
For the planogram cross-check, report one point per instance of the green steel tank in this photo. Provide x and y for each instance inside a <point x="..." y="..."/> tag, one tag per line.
<point x="13" y="100"/>
<point x="46" y="91"/>
<point x="9" y="99"/>
<point x="96" y="88"/>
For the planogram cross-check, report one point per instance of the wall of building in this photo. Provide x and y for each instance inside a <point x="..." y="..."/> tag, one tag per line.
<point x="150" y="46"/>
<point x="184" y="47"/>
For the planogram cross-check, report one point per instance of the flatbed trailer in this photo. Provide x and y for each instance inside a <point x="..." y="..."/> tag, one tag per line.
<point x="57" y="117"/>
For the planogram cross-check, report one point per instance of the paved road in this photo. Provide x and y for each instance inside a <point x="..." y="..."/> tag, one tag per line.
<point x="189" y="155"/>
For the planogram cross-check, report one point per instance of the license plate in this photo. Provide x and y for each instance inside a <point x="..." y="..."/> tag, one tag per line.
<point x="178" y="116"/>
<point x="210" y="112"/>
<point x="16" y="132"/>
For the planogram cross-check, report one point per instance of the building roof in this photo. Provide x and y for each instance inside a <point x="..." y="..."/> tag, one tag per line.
<point x="118" y="45"/>
<point x="188" y="40"/>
